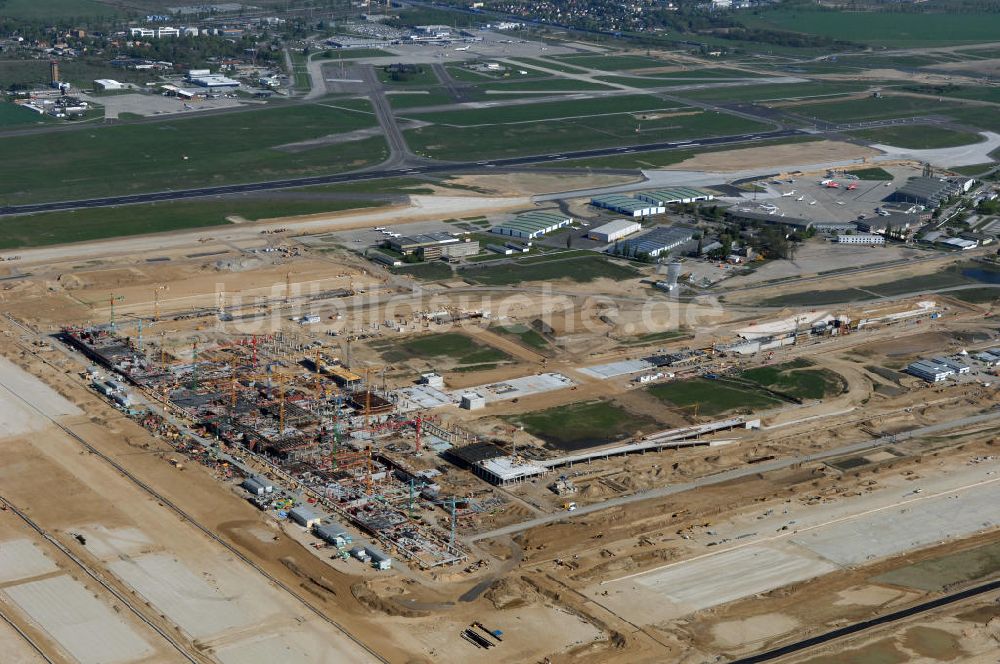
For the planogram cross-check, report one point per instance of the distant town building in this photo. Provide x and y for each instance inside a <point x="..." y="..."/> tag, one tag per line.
<point x="861" y="238"/>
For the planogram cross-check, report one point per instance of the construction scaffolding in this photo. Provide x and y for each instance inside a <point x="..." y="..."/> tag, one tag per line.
<point x="301" y="413"/>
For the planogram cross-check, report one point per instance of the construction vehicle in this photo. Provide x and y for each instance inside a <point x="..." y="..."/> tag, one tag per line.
<point x="493" y="633"/>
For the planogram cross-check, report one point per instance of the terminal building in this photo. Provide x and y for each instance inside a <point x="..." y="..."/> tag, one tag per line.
<point x="626" y="205"/>
<point x="654" y="243"/>
<point x="794" y="223"/>
<point x="531" y="225"/>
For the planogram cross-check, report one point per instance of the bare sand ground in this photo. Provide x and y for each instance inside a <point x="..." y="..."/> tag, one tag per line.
<point x="774" y="156"/>
<point x="521" y="184"/>
<point x="16" y="416"/>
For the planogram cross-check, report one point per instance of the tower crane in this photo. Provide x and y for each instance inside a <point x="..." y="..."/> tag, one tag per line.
<point x="114" y="298"/>
<point x="156" y="300"/>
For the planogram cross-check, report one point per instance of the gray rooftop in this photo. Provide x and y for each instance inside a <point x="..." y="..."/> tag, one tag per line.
<point x="656" y="239"/>
<point x="925" y="187"/>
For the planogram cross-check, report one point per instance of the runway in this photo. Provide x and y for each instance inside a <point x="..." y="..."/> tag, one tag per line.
<point x="392" y="172"/>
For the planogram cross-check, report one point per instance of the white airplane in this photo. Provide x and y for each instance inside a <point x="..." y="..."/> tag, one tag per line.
<point x="789" y="194"/>
<point x="801" y="198"/>
<point x="812" y="202"/>
<point x="462" y="48"/>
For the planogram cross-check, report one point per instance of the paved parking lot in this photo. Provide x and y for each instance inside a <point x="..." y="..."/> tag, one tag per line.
<point x="153" y="104"/>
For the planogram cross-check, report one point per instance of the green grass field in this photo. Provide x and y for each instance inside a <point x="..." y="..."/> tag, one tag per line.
<point x="712" y="397"/>
<point x="450" y="346"/>
<point x="425" y="76"/>
<point x="13" y="116"/>
<point x="433" y="97"/>
<point x="991" y="94"/>
<point x="982" y="117"/>
<point x="510" y="86"/>
<point x="183" y="152"/>
<point x="655" y="337"/>
<point x="466" y="75"/>
<point x="542" y="112"/>
<point x="974" y="169"/>
<point x="463" y="143"/>
<point x="797" y="379"/>
<point x="874" y="174"/>
<point x="774" y="92"/>
<point x="870" y="108"/>
<point x="585" y="424"/>
<point x="526" y="335"/>
<point x="611" y="62"/>
<point x="955" y="275"/>
<point x="462" y="73"/>
<point x="384" y="186"/>
<point x="550" y="64"/>
<point x="643" y="83"/>
<point x="892" y="29"/>
<point x="81" y="72"/>
<point x="818" y="298"/>
<point x="918" y="137"/>
<point x="678" y="77"/>
<point x="982" y="295"/>
<point x="936" y="574"/>
<point x="433" y="271"/>
<point x="581" y="269"/>
<point x="301" y="80"/>
<point x="662" y="158"/>
<point x="892" y="61"/>
<point x="95" y="224"/>
<point x="50" y="10"/>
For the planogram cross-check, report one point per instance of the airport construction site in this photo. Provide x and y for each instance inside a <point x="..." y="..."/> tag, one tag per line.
<point x="553" y="479"/>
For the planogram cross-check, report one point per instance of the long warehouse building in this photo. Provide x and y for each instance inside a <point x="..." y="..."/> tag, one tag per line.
<point x="614" y="230"/>
<point x="626" y="205"/>
<point x="675" y="195"/>
<point x="657" y="241"/>
<point x="532" y="224"/>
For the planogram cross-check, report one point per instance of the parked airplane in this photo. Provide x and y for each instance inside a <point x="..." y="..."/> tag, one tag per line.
<point x="852" y="187"/>
<point x="832" y="185"/>
<point x="801" y="198"/>
<point x="812" y="202"/>
<point x="789" y="194"/>
<point x="462" y="48"/>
